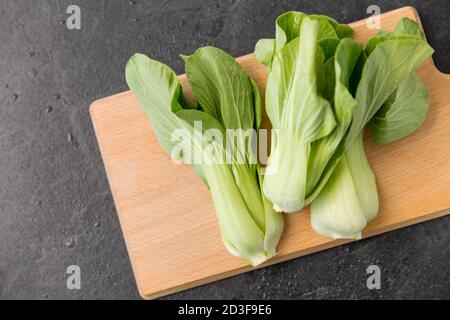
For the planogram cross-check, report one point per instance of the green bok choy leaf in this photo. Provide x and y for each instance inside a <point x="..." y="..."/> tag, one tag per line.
<point x="287" y="28"/>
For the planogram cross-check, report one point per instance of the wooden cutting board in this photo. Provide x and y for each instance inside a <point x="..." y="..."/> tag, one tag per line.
<point x="167" y="215"/>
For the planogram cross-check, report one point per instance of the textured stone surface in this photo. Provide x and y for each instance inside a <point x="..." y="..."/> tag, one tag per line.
<point x="55" y="203"/>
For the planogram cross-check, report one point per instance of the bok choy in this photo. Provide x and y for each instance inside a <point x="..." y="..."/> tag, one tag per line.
<point x="308" y="118"/>
<point x="322" y="90"/>
<point x="227" y="100"/>
<point x="350" y="198"/>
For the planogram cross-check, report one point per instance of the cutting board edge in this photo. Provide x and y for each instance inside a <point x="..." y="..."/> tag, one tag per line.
<point x="110" y="179"/>
<point x="288" y="257"/>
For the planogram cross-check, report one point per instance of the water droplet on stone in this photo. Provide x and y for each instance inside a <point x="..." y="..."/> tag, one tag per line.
<point x="70" y="243"/>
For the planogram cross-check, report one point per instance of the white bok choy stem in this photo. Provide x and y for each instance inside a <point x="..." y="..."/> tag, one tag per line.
<point x="350" y="199"/>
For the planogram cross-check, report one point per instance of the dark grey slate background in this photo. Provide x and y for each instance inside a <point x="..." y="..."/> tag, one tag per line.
<point x="55" y="203"/>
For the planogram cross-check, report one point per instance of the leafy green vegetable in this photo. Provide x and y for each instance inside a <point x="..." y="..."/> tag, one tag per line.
<point x="408" y="26"/>
<point x="158" y="91"/>
<point x="299" y="118"/>
<point x="287" y="28"/>
<point x="403" y="112"/>
<point x="318" y="156"/>
<point x="349" y="199"/>
<point x="228" y="99"/>
<point x="383" y="33"/>
<point x="342" y="30"/>
<point x="329" y="46"/>
<point x="322" y="90"/>
<point x="318" y="151"/>
<point x="406" y="29"/>
<point x="264" y="52"/>
<point x="323" y="152"/>
<point x="390" y="62"/>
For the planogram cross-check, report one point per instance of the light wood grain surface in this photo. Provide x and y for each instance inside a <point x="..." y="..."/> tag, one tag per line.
<point x="167" y="215"/>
